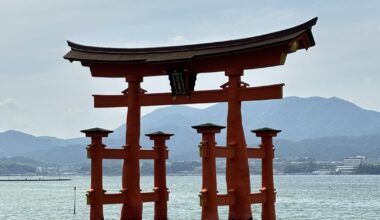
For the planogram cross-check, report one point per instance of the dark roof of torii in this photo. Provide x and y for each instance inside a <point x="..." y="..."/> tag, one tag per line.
<point x="187" y="52"/>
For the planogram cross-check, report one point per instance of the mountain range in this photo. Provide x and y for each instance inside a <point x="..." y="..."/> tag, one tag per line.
<point x="322" y="128"/>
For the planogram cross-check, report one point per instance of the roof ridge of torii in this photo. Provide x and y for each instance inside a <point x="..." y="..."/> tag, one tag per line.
<point x="247" y="53"/>
<point x="163" y="49"/>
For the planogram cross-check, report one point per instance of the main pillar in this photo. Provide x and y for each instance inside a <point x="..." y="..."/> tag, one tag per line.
<point x="132" y="208"/>
<point x="209" y="184"/>
<point x="267" y="184"/>
<point x="237" y="169"/>
<point x="160" y="206"/>
<point x="94" y="151"/>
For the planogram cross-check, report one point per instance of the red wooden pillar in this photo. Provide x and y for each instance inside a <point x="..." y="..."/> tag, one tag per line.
<point x="237" y="169"/>
<point x="209" y="191"/>
<point x="94" y="151"/>
<point x="268" y="208"/>
<point x="161" y="206"/>
<point x="132" y="207"/>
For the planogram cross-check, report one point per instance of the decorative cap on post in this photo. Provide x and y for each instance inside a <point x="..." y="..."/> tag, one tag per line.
<point x="158" y="135"/>
<point x="262" y="132"/>
<point x="208" y="127"/>
<point x="96" y="132"/>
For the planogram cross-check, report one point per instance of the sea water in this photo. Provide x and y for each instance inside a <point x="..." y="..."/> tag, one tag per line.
<point x="298" y="197"/>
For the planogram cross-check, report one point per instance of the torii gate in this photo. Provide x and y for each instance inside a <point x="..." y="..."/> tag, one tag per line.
<point x="182" y="64"/>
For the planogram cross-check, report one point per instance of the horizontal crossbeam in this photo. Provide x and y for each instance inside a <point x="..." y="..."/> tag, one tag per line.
<point x="256" y="153"/>
<point x="196" y="97"/>
<point x="227" y="152"/>
<point x="256" y="198"/>
<point x="229" y="199"/>
<point x="115" y="198"/>
<point x="226" y="199"/>
<point x="119" y="198"/>
<point x="113" y="153"/>
<point x="223" y="152"/>
<point x="148" y="154"/>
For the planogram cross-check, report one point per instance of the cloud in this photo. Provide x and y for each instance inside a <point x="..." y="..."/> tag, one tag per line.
<point x="177" y="39"/>
<point x="11" y="115"/>
<point x="75" y="110"/>
<point x="8" y="103"/>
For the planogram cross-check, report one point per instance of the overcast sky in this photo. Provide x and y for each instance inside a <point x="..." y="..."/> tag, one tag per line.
<point x="43" y="94"/>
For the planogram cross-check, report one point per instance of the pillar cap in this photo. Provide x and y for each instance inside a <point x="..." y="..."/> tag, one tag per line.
<point x="96" y="132"/>
<point x="266" y="132"/>
<point x="159" y="134"/>
<point x="208" y="127"/>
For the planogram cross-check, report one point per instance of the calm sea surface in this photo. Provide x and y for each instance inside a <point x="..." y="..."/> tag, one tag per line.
<point x="298" y="197"/>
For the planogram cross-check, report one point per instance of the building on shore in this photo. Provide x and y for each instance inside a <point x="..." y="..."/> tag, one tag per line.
<point x="350" y="164"/>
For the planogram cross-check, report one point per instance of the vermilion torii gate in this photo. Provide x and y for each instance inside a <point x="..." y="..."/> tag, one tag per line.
<point x="182" y="64"/>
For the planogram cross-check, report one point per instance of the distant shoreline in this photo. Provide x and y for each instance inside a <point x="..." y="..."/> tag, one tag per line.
<point x="33" y="180"/>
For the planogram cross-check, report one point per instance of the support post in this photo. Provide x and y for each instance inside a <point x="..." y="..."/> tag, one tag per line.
<point x="94" y="151"/>
<point x="160" y="206"/>
<point x="208" y="195"/>
<point x="237" y="169"/>
<point x="268" y="208"/>
<point x="132" y="207"/>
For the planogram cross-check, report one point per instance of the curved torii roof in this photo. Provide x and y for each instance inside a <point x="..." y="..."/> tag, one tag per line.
<point x="248" y="53"/>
